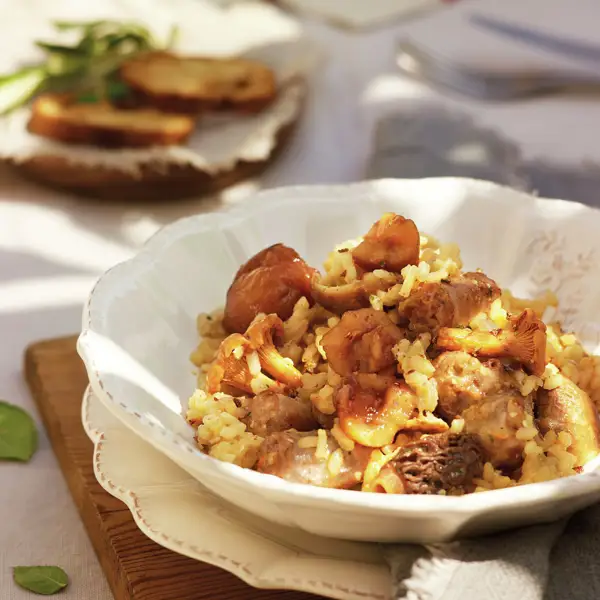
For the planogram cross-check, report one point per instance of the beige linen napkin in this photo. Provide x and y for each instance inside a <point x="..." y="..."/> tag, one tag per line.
<point x="560" y="561"/>
<point x="509" y="566"/>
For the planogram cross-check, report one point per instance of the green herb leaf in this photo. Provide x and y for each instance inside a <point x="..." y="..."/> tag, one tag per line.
<point x="88" y="65"/>
<point x="41" y="580"/>
<point x="19" y="87"/>
<point x="68" y="25"/>
<point x="50" y="47"/>
<point x="18" y="434"/>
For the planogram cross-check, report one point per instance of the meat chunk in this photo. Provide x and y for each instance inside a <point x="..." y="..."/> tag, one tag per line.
<point x="440" y="463"/>
<point x="294" y="456"/>
<point x="524" y="342"/>
<point x="392" y="243"/>
<point x="361" y="341"/>
<point x="270" y="412"/>
<point x="270" y="282"/>
<point x="568" y="408"/>
<point x="463" y="380"/>
<point x="451" y="303"/>
<point x="496" y="421"/>
<point x="487" y="397"/>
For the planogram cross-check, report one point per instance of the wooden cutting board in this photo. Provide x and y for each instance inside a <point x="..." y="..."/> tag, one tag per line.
<point x="136" y="567"/>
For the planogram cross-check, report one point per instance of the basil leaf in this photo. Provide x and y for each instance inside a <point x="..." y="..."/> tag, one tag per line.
<point x="18" y="434"/>
<point x="41" y="580"/>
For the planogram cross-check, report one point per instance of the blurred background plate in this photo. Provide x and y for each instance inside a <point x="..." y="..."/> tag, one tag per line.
<point x="152" y="181"/>
<point x="223" y="149"/>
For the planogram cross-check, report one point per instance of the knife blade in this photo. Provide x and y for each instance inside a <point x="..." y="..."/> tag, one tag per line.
<point x="558" y="45"/>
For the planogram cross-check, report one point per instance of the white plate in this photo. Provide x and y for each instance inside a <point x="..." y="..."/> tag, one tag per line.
<point x="175" y="511"/>
<point x="139" y="327"/>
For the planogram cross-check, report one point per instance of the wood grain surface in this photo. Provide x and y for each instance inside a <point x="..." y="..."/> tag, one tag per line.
<point x="136" y="567"/>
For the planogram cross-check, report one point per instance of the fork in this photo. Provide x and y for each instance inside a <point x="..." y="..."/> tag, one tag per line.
<point x="488" y="84"/>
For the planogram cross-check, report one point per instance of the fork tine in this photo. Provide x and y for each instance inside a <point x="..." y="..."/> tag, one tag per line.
<point x="439" y="70"/>
<point x="418" y="62"/>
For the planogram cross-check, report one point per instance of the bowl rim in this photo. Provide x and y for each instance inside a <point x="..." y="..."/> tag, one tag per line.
<point x="525" y="495"/>
<point x="100" y="433"/>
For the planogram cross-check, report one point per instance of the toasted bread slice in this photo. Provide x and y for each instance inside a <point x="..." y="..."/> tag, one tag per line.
<point x="195" y="84"/>
<point x="100" y="124"/>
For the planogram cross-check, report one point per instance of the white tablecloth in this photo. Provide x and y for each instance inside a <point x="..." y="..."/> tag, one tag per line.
<point x="52" y="247"/>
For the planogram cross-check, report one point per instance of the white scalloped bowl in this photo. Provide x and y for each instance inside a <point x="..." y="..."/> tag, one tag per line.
<point x="177" y="512"/>
<point x="139" y="328"/>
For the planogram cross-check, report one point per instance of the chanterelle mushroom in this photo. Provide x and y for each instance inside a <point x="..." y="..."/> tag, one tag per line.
<point x="524" y="343"/>
<point x="236" y="354"/>
<point x="230" y="367"/>
<point x="392" y="243"/>
<point x="260" y="334"/>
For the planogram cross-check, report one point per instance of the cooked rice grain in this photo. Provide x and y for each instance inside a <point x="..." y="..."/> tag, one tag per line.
<point x="219" y="429"/>
<point x="344" y="442"/>
<point x="322" y="452"/>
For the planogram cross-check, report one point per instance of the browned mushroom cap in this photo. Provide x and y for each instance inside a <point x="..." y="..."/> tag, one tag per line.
<point x="451" y="303"/>
<point x="440" y="463"/>
<point x="568" y="408"/>
<point x="270" y="282"/>
<point x="361" y="341"/>
<point x="350" y="296"/>
<point x="524" y="343"/>
<point x="268" y="257"/>
<point x="392" y="243"/>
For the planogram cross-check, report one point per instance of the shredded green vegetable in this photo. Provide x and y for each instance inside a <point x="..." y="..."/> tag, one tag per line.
<point x="88" y="67"/>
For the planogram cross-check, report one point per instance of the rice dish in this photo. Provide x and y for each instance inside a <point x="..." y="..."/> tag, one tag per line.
<point x="392" y="371"/>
